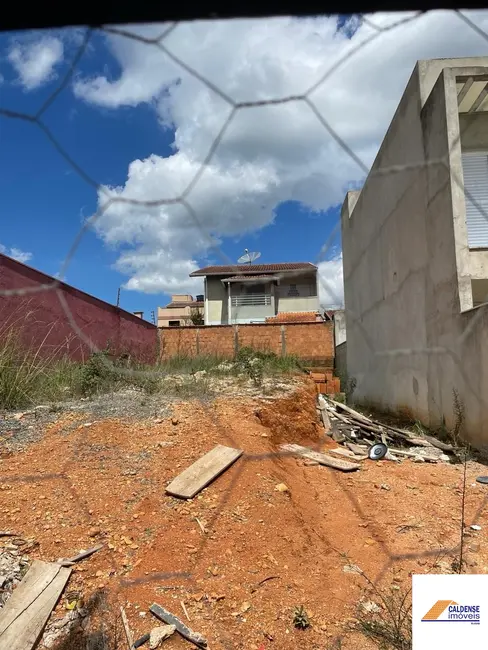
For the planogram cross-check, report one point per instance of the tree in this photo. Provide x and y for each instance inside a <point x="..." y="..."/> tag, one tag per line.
<point x="196" y="317"/>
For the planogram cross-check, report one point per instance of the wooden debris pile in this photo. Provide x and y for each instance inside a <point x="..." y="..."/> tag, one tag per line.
<point x="357" y="434"/>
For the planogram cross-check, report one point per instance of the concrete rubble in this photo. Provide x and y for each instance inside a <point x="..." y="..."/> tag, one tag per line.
<point x="160" y="634"/>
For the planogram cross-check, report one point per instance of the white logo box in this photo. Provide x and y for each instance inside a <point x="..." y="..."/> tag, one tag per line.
<point x="449" y="611"/>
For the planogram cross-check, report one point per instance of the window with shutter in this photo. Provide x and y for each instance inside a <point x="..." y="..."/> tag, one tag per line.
<point x="475" y="172"/>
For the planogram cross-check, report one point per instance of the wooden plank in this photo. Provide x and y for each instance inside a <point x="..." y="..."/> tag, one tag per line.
<point x="203" y="471"/>
<point x="325" y="419"/>
<point x="357" y="449"/>
<point x="323" y="459"/>
<point x="437" y="443"/>
<point x="127" y="630"/>
<point x="355" y="414"/>
<point x="26" y="612"/>
<point x="348" y="453"/>
<point x="341" y="451"/>
<point x="81" y="556"/>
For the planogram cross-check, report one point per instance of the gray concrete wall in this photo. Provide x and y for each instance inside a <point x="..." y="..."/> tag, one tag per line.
<point x="384" y="257"/>
<point x="340" y="364"/>
<point x="413" y="340"/>
<point x="339" y="327"/>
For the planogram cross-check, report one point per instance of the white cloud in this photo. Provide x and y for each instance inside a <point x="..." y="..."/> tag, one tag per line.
<point x="35" y="62"/>
<point x="268" y="154"/>
<point x="331" y="283"/>
<point x="16" y="253"/>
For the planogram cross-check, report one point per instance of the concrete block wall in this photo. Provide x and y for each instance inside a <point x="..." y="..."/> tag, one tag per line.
<point x="311" y="342"/>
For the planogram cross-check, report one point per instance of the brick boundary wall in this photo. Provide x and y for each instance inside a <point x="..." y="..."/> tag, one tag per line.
<point x="39" y="319"/>
<point x="313" y="343"/>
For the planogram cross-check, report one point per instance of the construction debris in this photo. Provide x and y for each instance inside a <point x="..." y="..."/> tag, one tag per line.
<point x="323" y="459"/>
<point x="26" y="612"/>
<point x="81" y="556"/>
<point x="127" y="630"/>
<point x="160" y="634"/>
<point x="63" y="627"/>
<point x="378" y="451"/>
<point x="379" y="440"/>
<point x="141" y="641"/>
<point x="172" y="620"/>
<point x="12" y="568"/>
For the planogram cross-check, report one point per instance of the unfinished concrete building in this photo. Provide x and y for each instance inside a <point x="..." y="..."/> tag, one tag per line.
<point x="415" y="251"/>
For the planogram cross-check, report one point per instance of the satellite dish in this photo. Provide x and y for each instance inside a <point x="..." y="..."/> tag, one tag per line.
<point x="248" y="258"/>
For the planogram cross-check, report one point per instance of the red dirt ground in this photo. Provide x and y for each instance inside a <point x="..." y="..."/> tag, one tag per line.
<point x="106" y="482"/>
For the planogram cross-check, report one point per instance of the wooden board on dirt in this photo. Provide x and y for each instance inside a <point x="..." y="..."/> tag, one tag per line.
<point x="203" y="472"/>
<point x="26" y="612"/>
<point x="323" y="459"/>
<point x="348" y="453"/>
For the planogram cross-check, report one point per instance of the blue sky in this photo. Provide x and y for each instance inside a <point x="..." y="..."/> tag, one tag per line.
<point x="139" y="125"/>
<point x="44" y="201"/>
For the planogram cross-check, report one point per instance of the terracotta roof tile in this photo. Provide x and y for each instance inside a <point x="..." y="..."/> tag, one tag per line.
<point x="252" y="269"/>
<point x="295" y="317"/>
<point x="264" y="276"/>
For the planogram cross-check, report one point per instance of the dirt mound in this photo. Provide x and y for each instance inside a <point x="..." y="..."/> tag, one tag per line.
<point x="292" y="419"/>
<point x="243" y="554"/>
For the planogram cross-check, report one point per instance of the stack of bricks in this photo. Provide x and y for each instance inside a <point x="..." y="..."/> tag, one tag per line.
<point x="326" y="383"/>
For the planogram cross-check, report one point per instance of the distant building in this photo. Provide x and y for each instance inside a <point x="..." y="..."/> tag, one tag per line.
<point x="256" y="293"/>
<point x="181" y="310"/>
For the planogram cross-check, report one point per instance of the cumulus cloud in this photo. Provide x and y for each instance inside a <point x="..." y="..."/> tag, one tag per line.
<point x="35" y="62"/>
<point x="268" y="154"/>
<point x="331" y="284"/>
<point x="15" y="253"/>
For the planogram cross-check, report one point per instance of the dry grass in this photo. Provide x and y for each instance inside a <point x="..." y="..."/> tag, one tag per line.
<point x="30" y="376"/>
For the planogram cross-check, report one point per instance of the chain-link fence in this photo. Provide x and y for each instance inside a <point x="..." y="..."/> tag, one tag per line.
<point x="213" y="561"/>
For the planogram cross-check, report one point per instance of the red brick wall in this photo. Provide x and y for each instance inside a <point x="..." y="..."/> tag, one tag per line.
<point x="261" y="337"/>
<point x="65" y="321"/>
<point x="312" y="342"/>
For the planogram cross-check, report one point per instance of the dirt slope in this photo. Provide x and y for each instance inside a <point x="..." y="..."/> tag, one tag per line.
<point x="105" y="482"/>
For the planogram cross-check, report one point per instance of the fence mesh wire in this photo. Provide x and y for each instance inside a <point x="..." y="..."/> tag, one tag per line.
<point x="379" y="28"/>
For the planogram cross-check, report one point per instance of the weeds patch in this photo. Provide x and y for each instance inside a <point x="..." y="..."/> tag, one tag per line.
<point x="29" y="377"/>
<point x="384" y="615"/>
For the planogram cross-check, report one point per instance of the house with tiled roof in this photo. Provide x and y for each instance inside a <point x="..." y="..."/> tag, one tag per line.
<point x="182" y="310"/>
<point x="260" y="293"/>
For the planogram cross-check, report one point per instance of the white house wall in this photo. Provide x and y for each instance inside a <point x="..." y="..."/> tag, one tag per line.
<point x="216" y="301"/>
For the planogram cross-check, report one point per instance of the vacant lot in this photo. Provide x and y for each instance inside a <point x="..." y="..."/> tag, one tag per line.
<point x="88" y="477"/>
